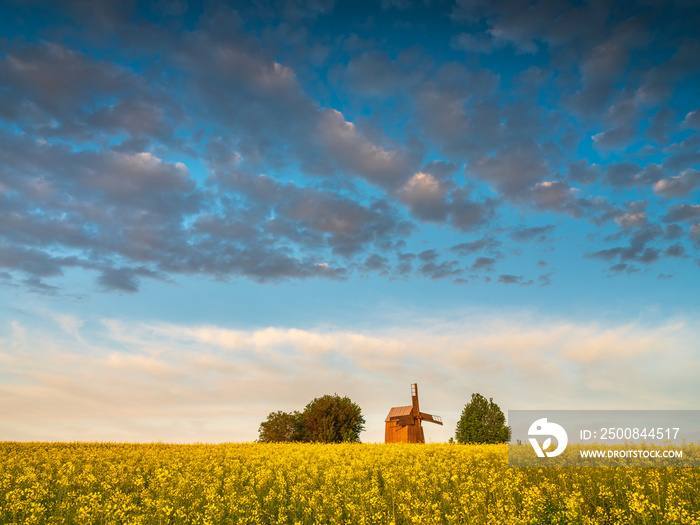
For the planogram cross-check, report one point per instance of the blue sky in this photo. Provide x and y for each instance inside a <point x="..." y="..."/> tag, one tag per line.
<point x="213" y="210"/>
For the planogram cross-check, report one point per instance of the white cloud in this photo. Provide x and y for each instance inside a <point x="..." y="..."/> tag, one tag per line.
<point x="19" y="332"/>
<point x="153" y="381"/>
<point x="692" y="119"/>
<point x="629" y="221"/>
<point x="422" y="186"/>
<point x="210" y="383"/>
<point x="678" y="186"/>
<point x="69" y="324"/>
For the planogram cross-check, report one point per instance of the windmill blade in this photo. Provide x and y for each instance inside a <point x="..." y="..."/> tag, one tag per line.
<point x="402" y="421"/>
<point x="414" y="399"/>
<point x="431" y="418"/>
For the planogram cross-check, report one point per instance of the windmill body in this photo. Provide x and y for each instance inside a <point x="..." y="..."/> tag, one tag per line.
<point x="403" y="424"/>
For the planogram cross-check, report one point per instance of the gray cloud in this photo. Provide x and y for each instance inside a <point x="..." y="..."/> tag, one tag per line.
<point x="661" y="81"/>
<point x="377" y="263"/>
<point x="684" y="154"/>
<point x="528" y="234"/>
<point x="197" y="145"/>
<point x="554" y="195"/>
<point x="510" y="279"/>
<point x="624" y="119"/>
<point x="54" y="91"/>
<point x="33" y="262"/>
<point x="692" y="119"/>
<point x="673" y="231"/>
<point x="583" y="172"/>
<point x="660" y="125"/>
<point x="467" y="214"/>
<point x="638" y="249"/>
<point x="310" y="216"/>
<point x="604" y="63"/>
<point x="442" y="270"/>
<point x="694" y="234"/>
<point x="260" y="105"/>
<point x="483" y="263"/>
<point x="681" y="212"/>
<point x="628" y="175"/>
<point x="467" y="248"/>
<point x="678" y="186"/>
<point x="475" y="43"/>
<point x="513" y="170"/>
<point x="122" y="279"/>
<point x="675" y="250"/>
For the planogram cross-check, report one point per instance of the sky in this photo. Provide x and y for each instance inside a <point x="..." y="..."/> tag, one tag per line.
<point x="210" y="211"/>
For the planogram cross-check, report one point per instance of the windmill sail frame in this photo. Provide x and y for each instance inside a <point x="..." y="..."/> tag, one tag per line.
<point x="404" y="424"/>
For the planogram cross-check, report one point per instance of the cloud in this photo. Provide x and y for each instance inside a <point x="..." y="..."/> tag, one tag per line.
<point x="260" y="106"/>
<point x="450" y="108"/>
<point x="133" y="215"/>
<point x="122" y="279"/>
<point x="601" y="66"/>
<point x="678" y="186"/>
<point x="476" y="43"/>
<point x="694" y="233"/>
<point x="673" y="231"/>
<point x="638" y="249"/>
<point x="629" y="175"/>
<point x="553" y="195"/>
<point x="661" y="81"/>
<point x="681" y="212"/>
<point x="441" y="270"/>
<point x="660" y="125"/>
<point x="513" y="170"/>
<point x="675" y="250"/>
<point x="51" y="75"/>
<point x="624" y="119"/>
<point x="692" y="119"/>
<point x="69" y="324"/>
<point x="484" y="263"/>
<point x="376" y="262"/>
<point x="528" y="234"/>
<point x="426" y="197"/>
<point x="93" y="207"/>
<point x="467" y="248"/>
<point x="306" y="216"/>
<point x="55" y="91"/>
<point x="510" y="279"/>
<point x="683" y="154"/>
<point x="33" y="262"/>
<point x="210" y="145"/>
<point x="629" y="221"/>
<point x="467" y="214"/>
<point x="582" y="172"/>
<point x="140" y="381"/>
<point x="374" y="74"/>
<point x="351" y="150"/>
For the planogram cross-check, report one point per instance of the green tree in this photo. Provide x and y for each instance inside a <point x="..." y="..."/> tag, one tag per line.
<point x="280" y="426"/>
<point x="332" y="419"/>
<point x="482" y="421"/>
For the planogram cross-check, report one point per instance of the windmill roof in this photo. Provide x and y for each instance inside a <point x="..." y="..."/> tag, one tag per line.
<point x="399" y="411"/>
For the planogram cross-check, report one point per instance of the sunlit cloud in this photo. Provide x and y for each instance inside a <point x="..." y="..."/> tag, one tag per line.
<point x="147" y="377"/>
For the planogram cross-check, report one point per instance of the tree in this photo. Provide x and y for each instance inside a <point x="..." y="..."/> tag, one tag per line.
<point x="482" y="422"/>
<point x="280" y="426"/>
<point x="332" y="419"/>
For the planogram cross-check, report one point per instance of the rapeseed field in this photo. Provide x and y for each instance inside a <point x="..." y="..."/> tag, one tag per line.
<point x="108" y="483"/>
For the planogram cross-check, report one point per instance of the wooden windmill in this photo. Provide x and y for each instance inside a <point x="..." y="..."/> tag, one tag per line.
<point x="403" y="424"/>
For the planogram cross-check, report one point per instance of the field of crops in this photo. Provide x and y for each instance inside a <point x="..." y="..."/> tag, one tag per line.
<point x="84" y="483"/>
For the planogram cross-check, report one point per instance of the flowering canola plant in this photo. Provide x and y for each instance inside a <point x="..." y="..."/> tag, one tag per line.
<point x="111" y="483"/>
